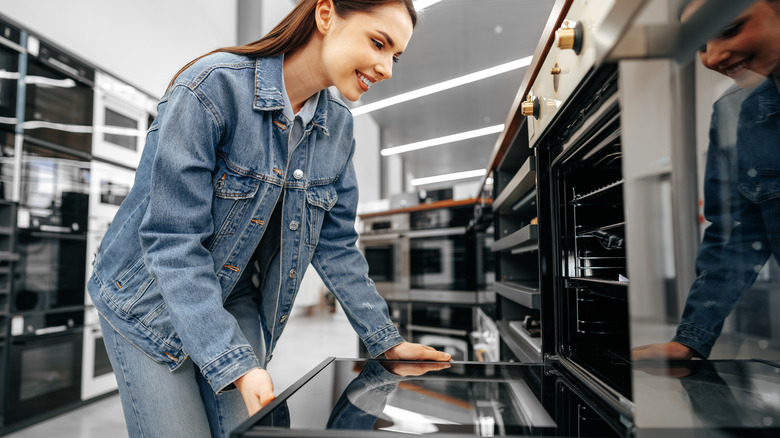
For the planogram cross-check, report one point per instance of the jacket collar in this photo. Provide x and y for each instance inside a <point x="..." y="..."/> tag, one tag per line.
<point x="268" y="90"/>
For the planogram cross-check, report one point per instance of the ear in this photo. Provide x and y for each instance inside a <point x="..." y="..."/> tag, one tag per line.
<point x="324" y="14"/>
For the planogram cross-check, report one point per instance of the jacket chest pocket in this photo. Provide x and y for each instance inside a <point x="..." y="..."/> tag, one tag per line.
<point x="319" y="201"/>
<point x="232" y="195"/>
<point x="759" y="185"/>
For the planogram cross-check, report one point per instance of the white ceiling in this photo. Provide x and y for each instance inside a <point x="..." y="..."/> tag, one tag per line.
<point x="454" y="38"/>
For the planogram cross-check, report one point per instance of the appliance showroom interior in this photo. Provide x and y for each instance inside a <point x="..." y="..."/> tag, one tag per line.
<point x="533" y="182"/>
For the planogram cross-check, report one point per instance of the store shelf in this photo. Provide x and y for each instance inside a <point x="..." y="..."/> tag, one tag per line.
<point x="522" y="240"/>
<point x="526" y="348"/>
<point x="517" y="188"/>
<point x="526" y="294"/>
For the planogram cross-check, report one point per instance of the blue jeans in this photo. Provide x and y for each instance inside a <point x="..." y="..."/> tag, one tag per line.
<point x="158" y="402"/>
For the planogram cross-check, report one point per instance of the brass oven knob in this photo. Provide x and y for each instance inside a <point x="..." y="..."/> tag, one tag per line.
<point x="570" y="37"/>
<point x="530" y="108"/>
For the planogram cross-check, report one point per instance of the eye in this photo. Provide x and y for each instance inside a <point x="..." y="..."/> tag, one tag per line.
<point x="731" y="31"/>
<point x="395" y="59"/>
<point x="378" y="44"/>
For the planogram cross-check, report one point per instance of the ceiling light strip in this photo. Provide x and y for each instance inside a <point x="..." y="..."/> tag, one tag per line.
<point x="442" y="86"/>
<point x="442" y="140"/>
<point x="448" y="177"/>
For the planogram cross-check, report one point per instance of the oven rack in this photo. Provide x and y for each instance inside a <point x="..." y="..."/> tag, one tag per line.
<point x="525" y="239"/>
<point x="612" y="289"/>
<point x="593" y="197"/>
<point x="517" y="188"/>
<point x="523" y="293"/>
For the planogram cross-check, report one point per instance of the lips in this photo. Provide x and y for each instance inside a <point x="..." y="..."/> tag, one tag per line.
<point x="364" y="81"/>
<point x="737" y="68"/>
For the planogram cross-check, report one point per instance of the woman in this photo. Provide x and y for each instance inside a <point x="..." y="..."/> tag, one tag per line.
<point x="245" y="179"/>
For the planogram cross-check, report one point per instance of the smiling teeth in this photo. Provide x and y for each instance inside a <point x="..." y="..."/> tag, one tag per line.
<point x="365" y="80"/>
<point x="736" y="68"/>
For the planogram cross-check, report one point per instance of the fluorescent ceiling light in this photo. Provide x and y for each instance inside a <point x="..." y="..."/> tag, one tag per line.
<point x="419" y="5"/>
<point x="442" y="140"/>
<point x="442" y="86"/>
<point x="448" y="177"/>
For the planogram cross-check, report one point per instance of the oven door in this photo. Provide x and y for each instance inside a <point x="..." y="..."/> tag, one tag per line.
<point x="443" y="266"/>
<point x="44" y="373"/>
<point x="9" y="72"/>
<point x="388" y="263"/>
<point x="97" y="377"/>
<point x="120" y="125"/>
<point x="59" y="98"/>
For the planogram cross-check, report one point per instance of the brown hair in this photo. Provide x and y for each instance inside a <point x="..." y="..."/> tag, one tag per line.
<point x="297" y="27"/>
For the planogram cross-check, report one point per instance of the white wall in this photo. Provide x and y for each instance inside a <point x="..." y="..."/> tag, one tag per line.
<point x="144" y="42"/>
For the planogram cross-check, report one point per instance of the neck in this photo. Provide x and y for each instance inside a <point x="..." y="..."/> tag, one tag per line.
<point x="303" y="74"/>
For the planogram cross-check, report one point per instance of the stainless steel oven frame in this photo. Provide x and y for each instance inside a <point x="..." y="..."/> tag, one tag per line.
<point x="97" y="377"/>
<point x="117" y="103"/>
<point x="398" y="244"/>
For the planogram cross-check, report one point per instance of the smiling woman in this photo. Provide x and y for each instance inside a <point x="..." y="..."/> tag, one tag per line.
<point x="246" y="174"/>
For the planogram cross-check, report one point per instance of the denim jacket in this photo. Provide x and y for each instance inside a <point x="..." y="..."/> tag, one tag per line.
<point x="742" y="203"/>
<point x="214" y="166"/>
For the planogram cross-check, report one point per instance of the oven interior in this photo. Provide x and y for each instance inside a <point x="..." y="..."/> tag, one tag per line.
<point x="589" y="276"/>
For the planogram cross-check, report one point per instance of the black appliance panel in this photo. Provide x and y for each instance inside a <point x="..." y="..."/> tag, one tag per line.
<point x="44" y="373"/>
<point x="9" y="70"/>
<point x="59" y="101"/>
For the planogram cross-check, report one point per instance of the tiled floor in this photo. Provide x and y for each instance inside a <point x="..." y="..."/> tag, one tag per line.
<point x="307" y="341"/>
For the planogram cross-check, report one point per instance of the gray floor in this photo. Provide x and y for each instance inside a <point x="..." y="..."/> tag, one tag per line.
<point x="307" y="341"/>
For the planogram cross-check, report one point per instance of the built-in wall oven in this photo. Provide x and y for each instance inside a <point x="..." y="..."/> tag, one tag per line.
<point x="44" y="368"/>
<point x="384" y="242"/>
<point x="122" y="115"/>
<point x="10" y="49"/>
<point x="449" y="263"/>
<point x="59" y="98"/>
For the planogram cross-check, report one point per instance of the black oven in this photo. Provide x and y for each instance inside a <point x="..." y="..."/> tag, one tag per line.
<point x="584" y="231"/>
<point x="59" y="98"/>
<point x="10" y="38"/>
<point x="52" y="230"/>
<point x="449" y="262"/>
<point x="44" y="370"/>
<point x="384" y="242"/>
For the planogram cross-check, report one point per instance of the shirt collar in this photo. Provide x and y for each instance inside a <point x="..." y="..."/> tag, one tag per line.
<point x="270" y="93"/>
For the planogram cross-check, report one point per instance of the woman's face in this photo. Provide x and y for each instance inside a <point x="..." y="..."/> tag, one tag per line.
<point x="360" y="50"/>
<point x="749" y="47"/>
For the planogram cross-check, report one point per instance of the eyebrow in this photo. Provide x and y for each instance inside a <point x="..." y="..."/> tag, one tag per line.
<point x="389" y="40"/>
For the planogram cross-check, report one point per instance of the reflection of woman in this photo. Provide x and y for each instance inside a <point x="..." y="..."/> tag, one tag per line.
<point x="245" y="179"/>
<point x="742" y="179"/>
<point x="364" y="399"/>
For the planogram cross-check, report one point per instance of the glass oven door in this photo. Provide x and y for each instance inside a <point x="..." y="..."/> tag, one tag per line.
<point x="59" y="98"/>
<point x="387" y="256"/>
<point x="44" y="373"/>
<point x="121" y="119"/>
<point x="9" y="73"/>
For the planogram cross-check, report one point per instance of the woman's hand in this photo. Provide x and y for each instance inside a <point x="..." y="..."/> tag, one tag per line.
<point x="256" y="388"/>
<point x="412" y="351"/>
<point x="666" y="351"/>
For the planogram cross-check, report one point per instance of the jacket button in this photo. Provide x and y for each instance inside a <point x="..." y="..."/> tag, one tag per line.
<point x="298" y="174"/>
<point x="294" y="225"/>
<point x="292" y="273"/>
<point x="283" y="319"/>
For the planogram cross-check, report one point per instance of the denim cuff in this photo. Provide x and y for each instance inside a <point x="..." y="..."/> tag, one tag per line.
<point x="382" y="340"/>
<point x="224" y="370"/>
<point x="695" y="338"/>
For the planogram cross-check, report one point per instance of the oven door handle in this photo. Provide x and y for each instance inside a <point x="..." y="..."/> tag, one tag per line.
<point x="382" y="238"/>
<point x="438" y="232"/>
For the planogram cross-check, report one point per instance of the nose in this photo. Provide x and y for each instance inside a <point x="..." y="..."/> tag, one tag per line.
<point x="384" y="68"/>
<point x="716" y="54"/>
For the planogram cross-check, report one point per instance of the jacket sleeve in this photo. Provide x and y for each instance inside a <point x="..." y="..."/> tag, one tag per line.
<point x="733" y="245"/>
<point x="177" y="222"/>
<point x="344" y="269"/>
